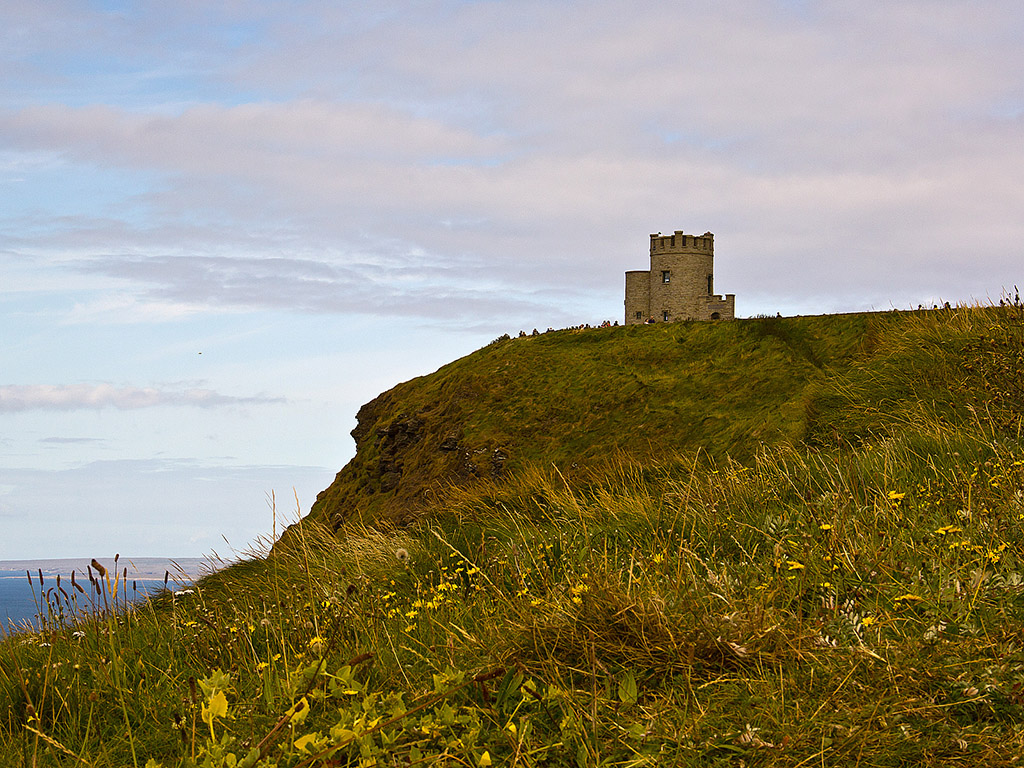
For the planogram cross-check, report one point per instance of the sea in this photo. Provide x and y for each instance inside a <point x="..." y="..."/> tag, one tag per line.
<point x="20" y="595"/>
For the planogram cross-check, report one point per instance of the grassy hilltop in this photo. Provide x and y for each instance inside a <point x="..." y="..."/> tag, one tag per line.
<point x="777" y="541"/>
<point x="580" y="399"/>
<point x="577" y="398"/>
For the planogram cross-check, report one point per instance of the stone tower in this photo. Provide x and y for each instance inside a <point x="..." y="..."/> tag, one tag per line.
<point x="680" y="285"/>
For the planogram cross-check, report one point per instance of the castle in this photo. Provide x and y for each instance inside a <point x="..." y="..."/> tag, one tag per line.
<point x="680" y="283"/>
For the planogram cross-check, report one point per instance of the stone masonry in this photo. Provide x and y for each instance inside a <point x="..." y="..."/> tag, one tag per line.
<point x="680" y="283"/>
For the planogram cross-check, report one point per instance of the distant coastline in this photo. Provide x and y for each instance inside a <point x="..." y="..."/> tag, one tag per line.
<point x="19" y="598"/>
<point x="138" y="567"/>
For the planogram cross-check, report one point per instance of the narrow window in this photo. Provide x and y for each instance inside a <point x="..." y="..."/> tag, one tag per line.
<point x="682" y="241"/>
<point x="664" y="315"/>
<point x="639" y="315"/>
<point x="673" y="241"/>
<point x="711" y="283"/>
<point x="666" y="275"/>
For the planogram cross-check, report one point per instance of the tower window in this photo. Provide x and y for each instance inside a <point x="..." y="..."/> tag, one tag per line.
<point x="666" y="275"/>
<point x="639" y="315"/>
<point x="711" y="284"/>
<point x="664" y="315"/>
<point x="682" y="240"/>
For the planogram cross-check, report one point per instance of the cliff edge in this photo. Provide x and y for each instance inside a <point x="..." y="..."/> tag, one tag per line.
<point x="576" y="398"/>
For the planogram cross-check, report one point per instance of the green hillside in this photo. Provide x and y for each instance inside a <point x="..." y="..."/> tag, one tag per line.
<point x="781" y="541"/>
<point x="575" y="399"/>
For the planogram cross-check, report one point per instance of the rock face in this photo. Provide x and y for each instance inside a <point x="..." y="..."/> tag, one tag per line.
<point x="402" y="461"/>
<point x="394" y="442"/>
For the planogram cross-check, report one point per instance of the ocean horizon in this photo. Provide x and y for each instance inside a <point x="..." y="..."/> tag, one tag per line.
<point x="25" y="583"/>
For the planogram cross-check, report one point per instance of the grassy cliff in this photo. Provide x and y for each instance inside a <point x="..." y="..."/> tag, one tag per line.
<point x="781" y="541"/>
<point x="575" y="399"/>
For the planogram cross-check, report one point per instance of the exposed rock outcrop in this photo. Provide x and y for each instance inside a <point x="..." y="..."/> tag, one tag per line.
<point x="402" y="461"/>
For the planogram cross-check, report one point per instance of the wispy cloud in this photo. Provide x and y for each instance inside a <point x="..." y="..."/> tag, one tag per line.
<point x="70" y="397"/>
<point x="408" y="287"/>
<point x="70" y="440"/>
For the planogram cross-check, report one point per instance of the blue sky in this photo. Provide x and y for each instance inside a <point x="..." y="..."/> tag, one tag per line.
<point x="226" y="225"/>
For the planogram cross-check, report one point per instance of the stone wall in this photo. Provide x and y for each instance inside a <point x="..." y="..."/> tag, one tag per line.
<point x="638" y="296"/>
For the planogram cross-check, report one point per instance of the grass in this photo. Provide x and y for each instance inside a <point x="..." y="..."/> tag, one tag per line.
<point x="575" y="397"/>
<point x="851" y="598"/>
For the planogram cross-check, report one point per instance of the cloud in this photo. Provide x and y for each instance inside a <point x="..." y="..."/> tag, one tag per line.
<point x="407" y="286"/>
<point x="70" y="397"/>
<point x="71" y="440"/>
<point x="472" y="156"/>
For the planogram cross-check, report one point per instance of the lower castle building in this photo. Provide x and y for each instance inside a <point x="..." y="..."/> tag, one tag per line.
<point x="680" y="285"/>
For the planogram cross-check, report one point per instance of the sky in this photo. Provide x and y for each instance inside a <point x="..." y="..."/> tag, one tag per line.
<point x="225" y="225"/>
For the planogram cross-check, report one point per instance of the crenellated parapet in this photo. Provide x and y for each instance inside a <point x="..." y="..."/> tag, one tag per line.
<point x="679" y="242"/>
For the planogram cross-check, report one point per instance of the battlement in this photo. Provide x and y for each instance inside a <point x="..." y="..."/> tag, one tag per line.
<point x="679" y="242"/>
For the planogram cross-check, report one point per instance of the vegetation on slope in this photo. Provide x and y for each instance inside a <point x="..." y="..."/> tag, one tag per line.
<point x="851" y="593"/>
<point x="575" y="398"/>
